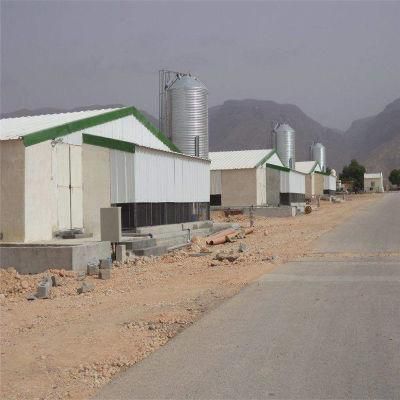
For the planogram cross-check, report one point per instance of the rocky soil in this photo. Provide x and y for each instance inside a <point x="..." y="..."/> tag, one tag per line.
<point x="69" y="345"/>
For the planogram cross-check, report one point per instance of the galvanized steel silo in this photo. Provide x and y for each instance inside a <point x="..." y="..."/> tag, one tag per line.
<point x="285" y="144"/>
<point x="188" y="115"/>
<point x="318" y="153"/>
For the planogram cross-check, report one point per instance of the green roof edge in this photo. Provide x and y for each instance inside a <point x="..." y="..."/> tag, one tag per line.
<point x="157" y="133"/>
<point x="278" y="167"/>
<point x="85" y="123"/>
<point x="114" y="144"/>
<point x="322" y="173"/>
<point x="264" y="159"/>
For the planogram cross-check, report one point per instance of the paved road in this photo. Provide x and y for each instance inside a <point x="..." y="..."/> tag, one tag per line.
<point x="322" y="328"/>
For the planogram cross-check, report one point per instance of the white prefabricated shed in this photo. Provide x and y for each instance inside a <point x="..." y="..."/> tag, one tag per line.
<point x="314" y="180"/>
<point x="58" y="170"/>
<point x="329" y="184"/>
<point x="244" y="178"/>
<point x="373" y="182"/>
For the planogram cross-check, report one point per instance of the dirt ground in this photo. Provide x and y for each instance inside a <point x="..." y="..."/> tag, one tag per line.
<point x="68" y="346"/>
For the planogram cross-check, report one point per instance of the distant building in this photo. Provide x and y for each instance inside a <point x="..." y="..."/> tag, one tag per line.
<point x="245" y="178"/>
<point x="314" y="179"/>
<point x="373" y="182"/>
<point x="254" y="177"/>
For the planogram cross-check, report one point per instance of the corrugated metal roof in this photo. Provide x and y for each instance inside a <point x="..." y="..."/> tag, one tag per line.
<point x="14" y="128"/>
<point x="306" y="167"/>
<point x="238" y="159"/>
<point x="376" y="175"/>
<point x="36" y="129"/>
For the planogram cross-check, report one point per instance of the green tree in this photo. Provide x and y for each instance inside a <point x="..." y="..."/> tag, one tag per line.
<point x="394" y="177"/>
<point x="355" y="172"/>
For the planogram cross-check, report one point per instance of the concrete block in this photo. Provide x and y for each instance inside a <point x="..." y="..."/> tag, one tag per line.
<point x="43" y="289"/>
<point x="105" y="273"/>
<point x="120" y="252"/>
<point x="92" y="269"/>
<point x="85" y="288"/>
<point x="110" y="224"/>
<point x="106" y="263"/>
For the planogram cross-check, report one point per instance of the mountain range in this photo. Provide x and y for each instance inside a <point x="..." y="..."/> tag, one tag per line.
<point x="246" y="124"/>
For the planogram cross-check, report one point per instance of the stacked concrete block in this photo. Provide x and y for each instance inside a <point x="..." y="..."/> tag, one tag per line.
<point x="93" y="268"/>
<point x="120" y="253"/>
<point x="105" y="268"/>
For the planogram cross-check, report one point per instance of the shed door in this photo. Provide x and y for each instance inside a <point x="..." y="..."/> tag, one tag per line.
<point x="69" y="186"/>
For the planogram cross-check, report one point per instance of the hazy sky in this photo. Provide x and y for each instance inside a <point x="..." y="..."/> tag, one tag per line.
<point x="338" y="61"/>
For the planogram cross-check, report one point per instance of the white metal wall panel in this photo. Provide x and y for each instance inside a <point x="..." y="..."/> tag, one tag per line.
<point x="284" y="182"/>
<point x="297" y="182"/>
<point x="292" y="182"/>
<point x="128" y="129"/>
<point x="329" y="182"/>
<point x="215" y="182"/>
<point x="168" y="177"/>
<point x="326" y="182"/>
<point x="73" y="138"/>
<point x="122" y="177"/>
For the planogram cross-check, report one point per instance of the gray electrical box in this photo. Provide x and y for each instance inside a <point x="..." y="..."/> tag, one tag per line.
<point x="110" y="224"/>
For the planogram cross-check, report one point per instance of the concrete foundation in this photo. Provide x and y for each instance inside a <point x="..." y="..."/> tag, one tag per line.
<point x="273" y="212"/>
<point x="35" y="258"/>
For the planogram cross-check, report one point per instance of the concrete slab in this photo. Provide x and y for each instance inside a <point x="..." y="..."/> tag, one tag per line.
<point x="138" y="243"/>
<point x="32" y="258"/>
<point x="152" y="251"/>
<point x="159" y="229"/>
<point x="274" y="212"/>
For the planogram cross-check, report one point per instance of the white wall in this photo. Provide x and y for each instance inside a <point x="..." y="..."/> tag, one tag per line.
<point x="329" y="182"/>
<point x="215" y="182"/>
<point x="292" y="182"/>
<point x="39" y="192"/>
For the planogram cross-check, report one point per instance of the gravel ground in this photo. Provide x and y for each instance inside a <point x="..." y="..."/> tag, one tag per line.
<point x="69" y="345"/>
